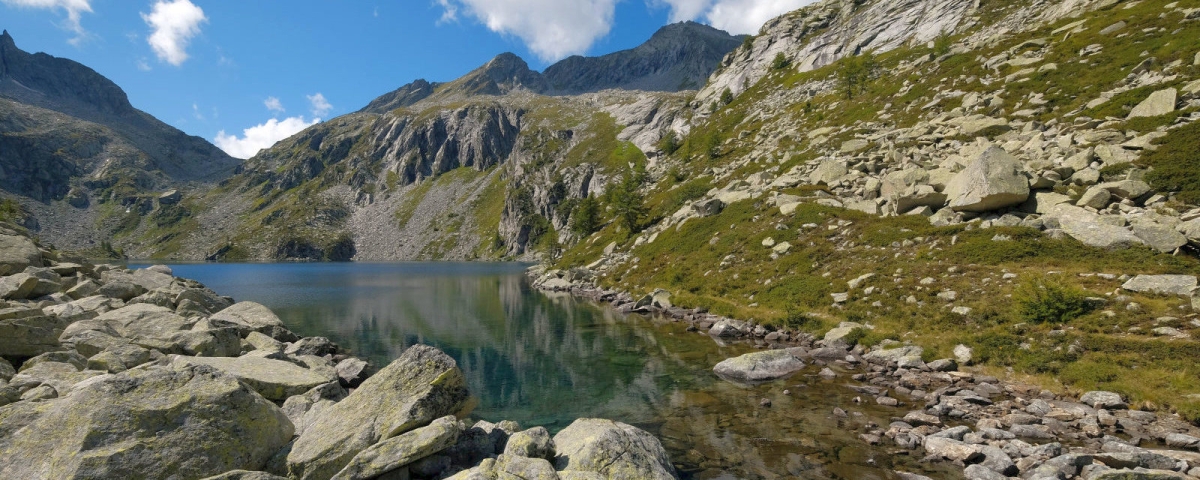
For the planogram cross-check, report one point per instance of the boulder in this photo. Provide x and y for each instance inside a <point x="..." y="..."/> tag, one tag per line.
<point x="1158" y="103"/>
<point x="156" y="422"/>
<point x="17" y="253"/>
<point x="245" y="475"/>
<point x="207" y="300"/>
<point x="761" y="366"/>
<point x="306" y="408"/>
<point x="532" y="443"/>
<point x="828" y="172"/>
<point x="992" y="181"/>
<point x="1141" y="474"/>
<point x="1159" y="237"/>
<point x="420" y="386"/>
<point x="253" y="317"/>
<point x="28" y="336"/>
<point x="1162" y="284"/>
<point x="612" y="450"/>
<point x="17" y="287"/>
<point x="399" y="451"/>
<point x="315" y="346"/>
<point x="1096" y="197"/>
<point x="708" y="208"/>
<point x="1102" y="399"/>
<point x="274" y="379"/>
<point x="1088" y="228"/>
<point x="352" y="371"/>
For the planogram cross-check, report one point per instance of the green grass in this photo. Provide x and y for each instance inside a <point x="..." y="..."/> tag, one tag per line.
<point x="1176" y="164"/>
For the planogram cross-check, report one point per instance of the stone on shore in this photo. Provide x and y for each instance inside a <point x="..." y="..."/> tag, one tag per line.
<point x="156" y="422"/>
<point x="611" y="449"/>
<point x="274" y="379"/>
<point x="420" y="386"/>
<point x="397" y="452"/>
<point x="761" y="366"/>
<point x="254" y="317"/>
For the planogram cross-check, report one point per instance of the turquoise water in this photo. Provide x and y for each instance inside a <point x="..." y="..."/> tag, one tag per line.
<point x="546" y="360"/>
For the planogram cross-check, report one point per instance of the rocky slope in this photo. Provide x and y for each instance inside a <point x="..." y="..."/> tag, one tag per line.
<point x="107" y="372"/>
<point x="75" y="152"/>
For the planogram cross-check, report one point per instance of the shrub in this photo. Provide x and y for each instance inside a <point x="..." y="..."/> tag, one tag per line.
<point x="669" y="144"/>
<point x="1049" y="301"/>
<point x="856" y="73"/>
<point x="585" y="220"/>
<point x="726" y="96"/>
<point x="780" y="62"/>
<point x="629" y="204"/>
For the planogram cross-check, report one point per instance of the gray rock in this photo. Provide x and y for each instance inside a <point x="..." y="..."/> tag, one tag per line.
<point x="1159" y="237"/>
<point x="1102" y="399"/>
<point x="274" y="379"/>
<point x="952" y="449"/>
<point x="421" y="385"/>
<point x="245" y="475"/>
<point x="401" y="450"/>
<point x="6" y="370"/>
<point x="30" y="336"/>
<point x="1162" y="284"/>
<point x="828" y="172"/>
<point x="980" y="472"/>
<point x="316" y="346"/>
<point x="304" y="409"/>
<point x="352" y="371"/>
<point x="253" y="317"/>
<point x="156" y="422"/>
<point x="1179" y="440"/>
<point x="990" y="182"/>
<point x="121" y="290"/>
<point x="206" y="299"/>
<point x="1089" y="229"/>
<point x="1158" y="103"/>
<point x="17" y="287"/>
<point x="707" y="208"/>
<point x="1096" y="197"/>
<point x="152" y="327"/>
<point x="614" y="450"/>
<point x="532" y="443"/>
<point x="1139" y="475"/>
<point x="17" y="253"/>
<point x="761" y="366"/>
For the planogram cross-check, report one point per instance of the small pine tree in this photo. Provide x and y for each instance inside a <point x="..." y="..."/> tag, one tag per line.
<point x="856" y="73"/>
<point x="585" y="220"/>
<point x="780" y="62"/>
<point x="726" y="96"/>
<point x="629" y="204"/>
<point x="669" y="144"/>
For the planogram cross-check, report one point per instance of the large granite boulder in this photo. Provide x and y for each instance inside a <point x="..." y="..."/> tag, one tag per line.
<point x="155" y="422"/>
<point x="399" y="451"/>
<point x="152" y="327"/>
<point x="28" y="333"/>
<point x="274" y="379"/>
<point x="1162" y="284"/>
<point x="17" y="287"/>
<point x="17" y="253"/>
<point x="991" y="182"/>
<point x="1158" y="103"/>
<point x="422" y="385"/>
<point x="1088" y="228"/>
<point x="611" y="449"/>
<point x="253" y="317"/>
<point x="761" y="366"/>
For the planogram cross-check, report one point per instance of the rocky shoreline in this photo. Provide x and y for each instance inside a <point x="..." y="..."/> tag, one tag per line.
<point x="107" y="372"/>
<point x="991" y="428"/>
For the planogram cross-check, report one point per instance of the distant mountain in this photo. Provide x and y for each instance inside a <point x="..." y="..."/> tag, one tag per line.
<point x="679" y="56"/>
<point x="51" y="101"/>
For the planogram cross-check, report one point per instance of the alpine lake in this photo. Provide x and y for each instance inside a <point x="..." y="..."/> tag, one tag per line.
<point x="547" y="359"/>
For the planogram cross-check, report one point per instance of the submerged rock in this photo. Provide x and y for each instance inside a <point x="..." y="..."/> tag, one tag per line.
<point x="761" y="366"/>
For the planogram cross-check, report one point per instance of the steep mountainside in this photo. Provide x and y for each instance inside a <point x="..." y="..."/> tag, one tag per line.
<point x="70" y="143"/>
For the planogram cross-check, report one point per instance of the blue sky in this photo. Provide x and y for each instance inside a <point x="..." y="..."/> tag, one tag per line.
<point x="245" y="74"/>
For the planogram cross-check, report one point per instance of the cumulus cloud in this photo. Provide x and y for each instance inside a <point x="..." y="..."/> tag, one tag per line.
<point x="274" y="105"/>
<point x="733" y="16"/>
<point x="173" y="24"/>
<point x="261" y="136"/>
<point x="320" y="106"/>
<point x="73" y="8"/>
<point x="552" y="29"/>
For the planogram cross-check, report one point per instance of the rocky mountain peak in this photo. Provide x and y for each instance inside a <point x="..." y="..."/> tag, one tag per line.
<point x="407" y="95"/>
<point x="57" y="83"/>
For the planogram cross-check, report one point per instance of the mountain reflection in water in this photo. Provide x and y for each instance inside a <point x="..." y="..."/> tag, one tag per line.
<point x="544" y="359"/>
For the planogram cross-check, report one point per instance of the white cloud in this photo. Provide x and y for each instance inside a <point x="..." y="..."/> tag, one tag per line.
<point x="733" y="16"/>
<point x="173" y="25"/>
<point x="73" y="8"/>
<point x="320" y="106"/>
<point x="143" y="65"/>
<point x="274" y="105"/>
<point x="552" y="29"/>
<point x="683" y="10"/>
<point x="196" y="112"/>
<point x="261" y="136"/>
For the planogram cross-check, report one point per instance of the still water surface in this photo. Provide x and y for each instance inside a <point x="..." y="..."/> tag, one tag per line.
<point x="546" y="360"/>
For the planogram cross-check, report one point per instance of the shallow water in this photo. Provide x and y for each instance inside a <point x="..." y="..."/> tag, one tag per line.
<point x="548" y="359"/>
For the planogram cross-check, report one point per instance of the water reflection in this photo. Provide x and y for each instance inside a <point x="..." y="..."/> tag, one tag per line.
<point x="549" y="359"/>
